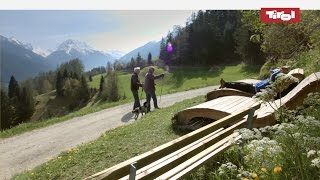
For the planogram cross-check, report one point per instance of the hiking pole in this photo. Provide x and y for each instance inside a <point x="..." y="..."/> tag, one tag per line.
<point x="141" y="97"/>
<point x="160" y="95"/>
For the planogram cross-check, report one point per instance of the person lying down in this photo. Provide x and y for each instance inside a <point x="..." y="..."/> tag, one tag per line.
<point x="255" y="88"/>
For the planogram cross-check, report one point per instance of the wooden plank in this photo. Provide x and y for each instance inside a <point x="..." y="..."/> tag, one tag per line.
<point x="142" y="160"/>
<point x="164" y="159"/>
<point x="191" y="161"/>
<point x="190" y="152"/>
<point x="245" y="103"/>
<point x="232" y="101"/>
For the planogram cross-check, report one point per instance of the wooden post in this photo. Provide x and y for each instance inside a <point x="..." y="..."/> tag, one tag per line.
<point x="250" y="118"/>
<point x="133" y="170"/>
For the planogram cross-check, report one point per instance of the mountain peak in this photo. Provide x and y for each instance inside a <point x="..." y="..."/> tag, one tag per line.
<point x="70" y="44"/>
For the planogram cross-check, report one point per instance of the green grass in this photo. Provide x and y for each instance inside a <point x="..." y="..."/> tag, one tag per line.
<point x="113" y="147"/>
<point x="185" y="78"/>
<point x="181" y="79"/>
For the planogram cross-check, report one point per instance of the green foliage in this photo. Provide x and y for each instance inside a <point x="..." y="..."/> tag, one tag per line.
<point x="14" y="89"/>
<point x="6" y="111"/>
<point x="109" y="68"/>
<point x="149" y="61"/>
<point x="71" y="91"/>
<point x="111" y="91"/>
<point x="59" y="84"/>
<point x="101" y="86"/>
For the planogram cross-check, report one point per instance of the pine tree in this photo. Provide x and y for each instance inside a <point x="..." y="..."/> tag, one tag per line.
<point x="149" y="59"/>
<point x="139" y="60"/>
<point x="90" y="78"/>
<point x="14" y="89"/>
<point x="84" y="89"/>
<point x="27" y="106"/>
<point x="112" y="88"/>
<point x="65" y="74"/>
<point x="101" y="86"/>
<point x="59" y="84"/>
<point x="6" y="111"/>
<point x="109" y="68"/>
<point x="132" y="63"/>
<point x="162" y="54"/>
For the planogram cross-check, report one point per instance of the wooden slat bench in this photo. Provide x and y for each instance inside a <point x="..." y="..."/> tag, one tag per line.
<point x="172" y="157"/>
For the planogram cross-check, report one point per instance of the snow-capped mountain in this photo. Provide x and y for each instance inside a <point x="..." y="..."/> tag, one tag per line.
<point x="71" y="49"/>
<point x="115" y="53"/>
<point x="41" y="52"/>
<point x="19" y="60"/>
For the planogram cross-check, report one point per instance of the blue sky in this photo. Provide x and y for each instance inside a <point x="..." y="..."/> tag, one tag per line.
<point x="103" y="30"/>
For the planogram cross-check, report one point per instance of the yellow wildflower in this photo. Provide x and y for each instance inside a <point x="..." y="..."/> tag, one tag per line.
<point x="277" y="169"/>
<point x="32" y="174"/>
<point x="255" y="176"/>
<point x="264" y="170"/>
<point x="245" y="178"/>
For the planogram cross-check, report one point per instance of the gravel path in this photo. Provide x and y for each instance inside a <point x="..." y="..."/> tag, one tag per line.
<point x="28" y="150"/>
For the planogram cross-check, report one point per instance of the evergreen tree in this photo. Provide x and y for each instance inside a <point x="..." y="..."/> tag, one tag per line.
<point x="109" y="67"/>
<point x="139" y="60"/>
<point x="149" y="59"/>
<point x="84" y="89"/>
<point x="27" y="105"/>
<point x="6" y="111"/>
<point x="59" y="84"/>
<point x="90" y="78"/>
<point x="14" y="89"/>
<point x="65" y="74"/>
<point x="112" y="88"/>
<point x="132" y="63"/>
<point x="162" y="54"/>
<point x="101" y="86"/>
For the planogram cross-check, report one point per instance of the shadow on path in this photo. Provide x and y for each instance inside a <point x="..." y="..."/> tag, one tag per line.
<point x="127" y="117"/>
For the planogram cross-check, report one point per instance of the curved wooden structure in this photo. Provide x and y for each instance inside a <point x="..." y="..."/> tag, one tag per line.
<point x="226" y="92"/>
<point x="223" y="106"/>
<point x="298" y="73"/>
<point x="293" y="99"/>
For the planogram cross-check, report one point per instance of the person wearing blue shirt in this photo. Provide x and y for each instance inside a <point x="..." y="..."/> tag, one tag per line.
<point x="254" y="88"/>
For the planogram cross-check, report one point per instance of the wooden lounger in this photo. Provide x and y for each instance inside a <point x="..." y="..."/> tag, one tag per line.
<point x="298" y="73"/>
<point x="223" y="106"/>
<point x="293" y="99"/>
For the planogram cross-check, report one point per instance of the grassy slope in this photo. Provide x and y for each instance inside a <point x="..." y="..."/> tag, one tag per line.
<point x="180" y="79"/>
<point x="112" y="147"/>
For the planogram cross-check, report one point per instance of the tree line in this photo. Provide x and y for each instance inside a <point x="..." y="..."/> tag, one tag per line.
<point x="214" y="37"/>
<point x="17" y="104"/>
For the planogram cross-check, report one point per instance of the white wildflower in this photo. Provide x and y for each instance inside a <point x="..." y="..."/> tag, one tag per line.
<point x="316" y="162"/>
<point x="311" y="153"/>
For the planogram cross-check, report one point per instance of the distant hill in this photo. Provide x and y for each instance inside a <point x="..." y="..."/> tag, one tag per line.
<point x="71" y="49"/>
<point x="18" y="59"/>
<point x="153" y="47"/>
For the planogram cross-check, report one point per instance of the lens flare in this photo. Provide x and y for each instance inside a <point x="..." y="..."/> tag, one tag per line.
<point x="169" y="47"/>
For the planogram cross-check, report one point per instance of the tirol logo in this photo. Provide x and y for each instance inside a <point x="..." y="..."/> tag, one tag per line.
<point x="276" y="15"/>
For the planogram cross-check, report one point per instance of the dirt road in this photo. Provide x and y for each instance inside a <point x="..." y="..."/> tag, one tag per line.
<point x="33" y="148"/>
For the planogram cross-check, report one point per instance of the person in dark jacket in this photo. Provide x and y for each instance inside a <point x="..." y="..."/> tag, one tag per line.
<point x="150" y="89"/>
<point x="135" y="84"/>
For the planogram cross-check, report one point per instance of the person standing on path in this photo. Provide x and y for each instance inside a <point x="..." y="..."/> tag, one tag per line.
<point x="135" y="84"/>
<point x="149" y="87"/>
